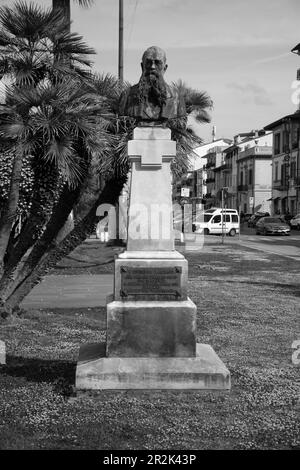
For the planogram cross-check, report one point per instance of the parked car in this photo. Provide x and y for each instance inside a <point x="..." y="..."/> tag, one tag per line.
<point x="271" y="225"/>
<point x="288" y="218"/>
<point x="255" y="217"/>
<point x="295" y="222"/>
<point x="246" y="217"/>
<point x="217" y="220"/>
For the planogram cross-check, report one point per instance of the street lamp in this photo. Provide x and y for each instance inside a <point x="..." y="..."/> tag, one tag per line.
<point x="224" y="196"/>
<point x="287" y="157"/>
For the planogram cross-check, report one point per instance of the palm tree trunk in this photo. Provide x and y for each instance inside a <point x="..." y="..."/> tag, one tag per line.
<point x="54" y="254"/>
<point x="65" y="6"/>
<point x="7" y="220"/>
<point x="13" y="278"/>
<point x="45" y="192"/>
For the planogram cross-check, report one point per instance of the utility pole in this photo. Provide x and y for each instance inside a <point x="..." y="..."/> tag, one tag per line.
<point x="121" y="41"/>
<point x="222" y="220"/>
<point x="121" y="79"/>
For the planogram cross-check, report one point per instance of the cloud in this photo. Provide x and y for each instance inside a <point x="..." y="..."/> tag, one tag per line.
<point x="250" y="90"/>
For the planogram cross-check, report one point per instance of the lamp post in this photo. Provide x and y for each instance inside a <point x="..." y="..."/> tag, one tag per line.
<point x="287" y="128"/>
<point x="223" y="205"/>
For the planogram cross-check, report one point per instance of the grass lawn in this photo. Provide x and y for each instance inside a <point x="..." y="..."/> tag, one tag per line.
<point x="248" y="310"/>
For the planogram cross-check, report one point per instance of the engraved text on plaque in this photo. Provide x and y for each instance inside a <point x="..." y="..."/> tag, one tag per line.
<point x="145" y="283"/>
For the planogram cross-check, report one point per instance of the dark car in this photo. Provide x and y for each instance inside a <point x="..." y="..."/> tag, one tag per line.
<point x="246" y="217"/>
<point x="255" y="218"/>
<point x="271" y="225"/>
<point x="295" y="222"/>
<point x="288" y="218"/>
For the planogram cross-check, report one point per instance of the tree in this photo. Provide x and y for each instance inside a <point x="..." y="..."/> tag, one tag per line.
<point x="51" y="113"/>
<point x="65" y="7"/>
<point x="34" y="45"/>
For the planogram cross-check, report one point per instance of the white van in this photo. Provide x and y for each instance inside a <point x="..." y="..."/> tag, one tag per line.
<point x="212" y="221"/>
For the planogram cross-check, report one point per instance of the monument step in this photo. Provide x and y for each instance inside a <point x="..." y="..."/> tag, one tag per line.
<point x="206" y="371"/>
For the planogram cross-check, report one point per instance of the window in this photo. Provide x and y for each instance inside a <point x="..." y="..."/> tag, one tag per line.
<point x="216" y="219"/>
<point x="250" y="176"/>
<point x="242" y="178"/>
<point x="286" y="141"/>
<point x="295" y="135"/>
<point x="277" y="143"/>
<point x="284" y="174"/>
<point x="227" y="217"/>
<point x="293" y="169"/>
<point x="235" y="219"/>
<point x="276" y="172"/>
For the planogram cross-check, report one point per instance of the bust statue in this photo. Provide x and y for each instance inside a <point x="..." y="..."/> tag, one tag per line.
<point x="152" y="101"/>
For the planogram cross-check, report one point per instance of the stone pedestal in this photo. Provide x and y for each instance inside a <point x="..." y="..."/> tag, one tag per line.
<point x="151" y="322"/>
<point x="2" y="353"/>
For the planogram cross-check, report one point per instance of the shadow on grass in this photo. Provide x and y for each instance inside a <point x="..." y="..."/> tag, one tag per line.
<point x="61" y="374"/>
<point x="289" y="289"/>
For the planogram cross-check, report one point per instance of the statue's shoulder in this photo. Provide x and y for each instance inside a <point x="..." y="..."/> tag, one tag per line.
<point x="129" y="99"/>
<point x="134" y="89"/>
<point x="176" y="99"/>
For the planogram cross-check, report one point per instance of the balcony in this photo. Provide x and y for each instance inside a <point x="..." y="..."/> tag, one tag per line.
<point x="242" y="187"/>
<point x="210" y="165"/>
<point x="258" y="150"/>
<point x="280" y="186"/>
<point x="297" y="182"/>
<point x="226" y="167"/>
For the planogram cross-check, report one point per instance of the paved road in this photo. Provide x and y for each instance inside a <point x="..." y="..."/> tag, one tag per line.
<point x="286" y="246"/>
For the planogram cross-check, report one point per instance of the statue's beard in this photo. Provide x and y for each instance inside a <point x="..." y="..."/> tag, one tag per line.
<point x="152" y="88"/>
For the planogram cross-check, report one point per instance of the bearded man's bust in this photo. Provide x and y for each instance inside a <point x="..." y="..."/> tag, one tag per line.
<point x="152" y="101"/>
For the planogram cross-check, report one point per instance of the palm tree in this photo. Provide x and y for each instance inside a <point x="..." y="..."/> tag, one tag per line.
<point x="65" y="7"/>
<point x="67" y="137"/>
<point x="33" y="48"/>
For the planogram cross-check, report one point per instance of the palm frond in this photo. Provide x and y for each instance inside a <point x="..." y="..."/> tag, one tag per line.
<point x="35" y="42"/>
<point x="85" y="3"/>
<point x="61" y="153"/>
<point x="197" y="102"/>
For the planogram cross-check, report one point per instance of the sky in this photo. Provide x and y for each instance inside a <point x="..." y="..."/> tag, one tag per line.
<point x="237" y="51"/>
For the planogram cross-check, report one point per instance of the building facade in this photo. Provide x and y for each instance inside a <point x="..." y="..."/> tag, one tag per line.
<point x="285" y="165"/>
<point x="254" y="173"/>
<point x="245" y="172"/>
<point x="196" y="186"/>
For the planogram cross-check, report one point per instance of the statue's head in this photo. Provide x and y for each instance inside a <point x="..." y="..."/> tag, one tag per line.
<point x="154" y="61"/>
<point x="152" y="84"/>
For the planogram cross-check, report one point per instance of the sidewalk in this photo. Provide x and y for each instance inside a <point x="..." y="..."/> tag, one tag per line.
<point x="67" y="291"/>
<point x="81" y="290"/>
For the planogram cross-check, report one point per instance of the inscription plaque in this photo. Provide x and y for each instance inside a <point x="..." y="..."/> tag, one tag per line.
<point x="151" y="283"/>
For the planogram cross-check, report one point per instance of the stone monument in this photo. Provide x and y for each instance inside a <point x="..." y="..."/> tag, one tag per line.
<point x="151" y="322"/>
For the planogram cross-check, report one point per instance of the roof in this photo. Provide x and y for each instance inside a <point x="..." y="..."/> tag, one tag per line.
<point x="296" y="49"/>
<point x="294" y="117"/>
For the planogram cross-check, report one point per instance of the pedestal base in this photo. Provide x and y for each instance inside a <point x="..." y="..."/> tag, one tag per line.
<point x="206" y="371"/>
<point x="151" y="329"/>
